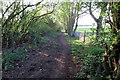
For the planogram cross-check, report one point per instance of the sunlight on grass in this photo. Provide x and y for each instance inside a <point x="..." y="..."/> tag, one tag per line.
<point x="65" y="33"/>
<point x="89" y="56"/>
<point x="84" y="29"/>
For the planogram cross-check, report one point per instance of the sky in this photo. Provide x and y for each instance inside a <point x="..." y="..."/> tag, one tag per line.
<point x="86" y="19"/>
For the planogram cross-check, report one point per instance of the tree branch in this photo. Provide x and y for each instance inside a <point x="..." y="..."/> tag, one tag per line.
<point x="13" y="15"/>
<point x="26" y="8"/>
<point x="92" y="13"/>
<point x="111" y="23"/>
<point x="8" y="8"/>
<point x="44" y="14"/>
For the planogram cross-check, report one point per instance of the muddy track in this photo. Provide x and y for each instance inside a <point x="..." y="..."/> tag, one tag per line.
<point x="49" y="61"/>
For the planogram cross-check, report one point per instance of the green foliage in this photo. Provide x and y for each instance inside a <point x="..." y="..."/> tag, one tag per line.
<point x="90" y="57"/>
<point x="52" y="35"/>
<point x="38" y="40"/>
<point x="107" y="36"/>
<point x="80" y="75"/>
<point x="92" y="60"/>
<point x="23" y="23"/>
<point x="12" y="55"/>
<point x="40" y="28"/>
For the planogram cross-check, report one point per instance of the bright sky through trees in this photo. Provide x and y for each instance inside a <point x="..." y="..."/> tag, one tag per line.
<point x="85" y="19"/>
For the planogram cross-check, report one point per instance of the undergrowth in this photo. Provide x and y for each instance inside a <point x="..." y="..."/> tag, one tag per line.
<point x="90" y="57"/>
<point x="12" y="55"/>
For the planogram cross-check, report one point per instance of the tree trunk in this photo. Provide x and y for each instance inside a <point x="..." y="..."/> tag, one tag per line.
<point x="118" y="70"/>
<point x="76" y="25"/>
<point x="71" y="19"/>
<point x="99" y="20"/>
<point x="115" y="26"/>
<point x="99" y="26"/>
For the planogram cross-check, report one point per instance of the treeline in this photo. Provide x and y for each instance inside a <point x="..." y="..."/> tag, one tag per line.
<point x="20" y="21"/>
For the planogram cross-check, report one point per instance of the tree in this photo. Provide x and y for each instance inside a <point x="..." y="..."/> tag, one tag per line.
<point x="17" y="19"/>
<point x="112" y="55"/>
<point x="79" y="6"/>
<point x="103" y="7"/>
<point x="69" y="16"/>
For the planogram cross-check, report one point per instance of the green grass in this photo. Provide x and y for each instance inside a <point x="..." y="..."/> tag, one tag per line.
<point x="90" y="30"/>
<point x="90" y="57"/>
<point x="65" y="33"/>
<point x="84" y="29"/>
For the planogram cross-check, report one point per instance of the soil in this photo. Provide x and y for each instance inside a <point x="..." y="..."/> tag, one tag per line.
<point x="52" y="60"/>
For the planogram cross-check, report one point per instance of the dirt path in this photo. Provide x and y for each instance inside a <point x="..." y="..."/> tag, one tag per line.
<point x="52" y="60"/>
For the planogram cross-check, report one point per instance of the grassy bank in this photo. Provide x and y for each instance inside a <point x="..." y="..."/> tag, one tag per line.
<point x="90" y="57"/>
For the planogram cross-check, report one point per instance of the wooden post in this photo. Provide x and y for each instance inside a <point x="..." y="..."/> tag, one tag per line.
<point x="84" y="36"/>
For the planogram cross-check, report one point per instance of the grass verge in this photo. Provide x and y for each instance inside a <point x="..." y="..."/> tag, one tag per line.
<point x="90" y="57"/>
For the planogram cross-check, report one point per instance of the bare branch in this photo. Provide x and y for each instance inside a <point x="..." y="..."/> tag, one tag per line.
<point x="45" y="14"/>
<point x="13" y="15"/>
<point x="111" y="23"/>
<point x="8" y="8"/>
<point x="92" y="13"/>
